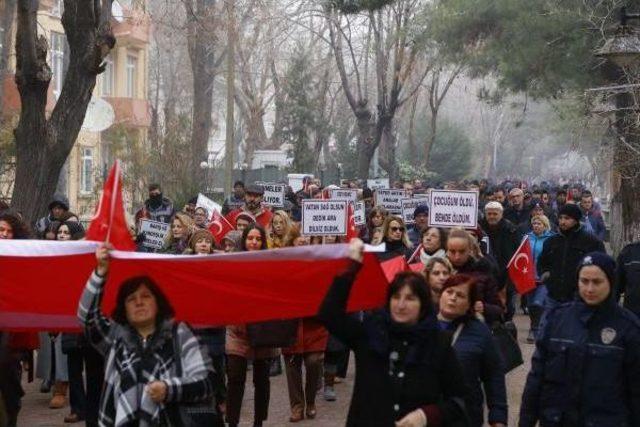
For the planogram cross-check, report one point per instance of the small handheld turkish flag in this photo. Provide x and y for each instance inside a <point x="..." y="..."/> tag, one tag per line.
<point x="219" y="226"/>
<point x="521" y="268"/>
<point x="109" y="223"/>
<point x="352" y="231"/>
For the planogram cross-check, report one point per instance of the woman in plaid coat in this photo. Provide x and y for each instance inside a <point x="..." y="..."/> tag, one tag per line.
<point x="141" y="387"/>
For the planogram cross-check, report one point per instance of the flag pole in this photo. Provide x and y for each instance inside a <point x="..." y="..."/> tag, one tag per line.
<point x="116" y="182"/>
<point x="524" y="239"/>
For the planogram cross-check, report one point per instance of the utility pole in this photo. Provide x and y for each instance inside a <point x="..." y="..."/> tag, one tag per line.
<point x="231" y="71"/>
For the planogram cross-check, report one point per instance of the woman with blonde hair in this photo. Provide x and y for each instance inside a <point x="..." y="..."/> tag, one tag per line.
<point x="178" y="238"/>
<point x="437" y="270"/>
<point x="396" y="239"/>
<point x="281" y="230"/>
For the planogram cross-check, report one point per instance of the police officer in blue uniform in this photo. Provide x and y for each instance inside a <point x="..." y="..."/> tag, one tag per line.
<point x="586" y="368"/>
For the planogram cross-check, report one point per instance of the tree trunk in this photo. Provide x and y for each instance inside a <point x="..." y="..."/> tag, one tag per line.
<point x="42" y="145"/>
<point x="366" y="144"/>
<point x="411" y="139"/>
<point x="431" y="138"/>
<point x="388" y="147"/>
<point x="625" y="203"/>
<point x="201" y="55"/>
<point x="6" y="21"/>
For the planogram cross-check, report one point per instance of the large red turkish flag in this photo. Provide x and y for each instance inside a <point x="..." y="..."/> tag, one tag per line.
<point x="521" y="268"/>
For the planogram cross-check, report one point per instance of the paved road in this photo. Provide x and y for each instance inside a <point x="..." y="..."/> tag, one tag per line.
<point x="330" y="414"/>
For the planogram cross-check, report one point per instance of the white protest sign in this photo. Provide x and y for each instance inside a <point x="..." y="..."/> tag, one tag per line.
<point x="295" y="180"/>
<point x="154" y="233"/>
<point x="410" y="205"/>
<point x="359" y="217"/>
<point x="205" y="202"/>
<point x="374" y="184"/>
<point x="324" y="217"/>
<point x="449" y="208"/>
<point x="350" y="195"/>
<point x="390" y="199"/>
<point x="273" y="194"/>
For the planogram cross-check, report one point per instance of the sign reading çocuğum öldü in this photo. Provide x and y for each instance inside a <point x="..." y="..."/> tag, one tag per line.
<point x="273" y="194"/>
<point x="390" y="199"/>
<point x="449" y="208"/>
<point x="154" y="233"/>
<point x="324" y="217"/>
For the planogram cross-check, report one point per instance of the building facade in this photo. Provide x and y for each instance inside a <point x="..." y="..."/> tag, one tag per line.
<point x="123" y="86"/>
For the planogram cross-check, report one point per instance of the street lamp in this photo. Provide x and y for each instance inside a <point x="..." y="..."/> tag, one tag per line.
<point x="204" y="165"/>
<point x="623" y="49"/>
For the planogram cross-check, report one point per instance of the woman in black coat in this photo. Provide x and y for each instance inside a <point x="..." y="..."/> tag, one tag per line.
<point x="407" y="374"/>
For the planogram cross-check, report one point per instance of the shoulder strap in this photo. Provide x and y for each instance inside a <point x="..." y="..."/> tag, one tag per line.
<point x="176" y="350"/>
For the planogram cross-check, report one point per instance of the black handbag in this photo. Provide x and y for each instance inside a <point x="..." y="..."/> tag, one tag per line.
<point x="201" y="414"/>
<point x="508" y="346"/>
<point x="273" y="333"/>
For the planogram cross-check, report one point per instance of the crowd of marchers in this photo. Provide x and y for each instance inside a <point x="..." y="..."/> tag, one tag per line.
<point x="429" y="357"/>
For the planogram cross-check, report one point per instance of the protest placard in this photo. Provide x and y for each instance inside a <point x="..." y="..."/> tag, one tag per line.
<point x="374" y="184"/>
<point x="208" y="204"/>
<point x="154" y="233"/>
<point x="273" y="194"/>
<point x="449" y="208"/>
<point x="350" y="195"/>
<point x="410" y="205"/>
<point x="390" y="199"/>
<point x="359" y="217"/>
<point x="324" y="217"/>
<point x="295" y="180"/>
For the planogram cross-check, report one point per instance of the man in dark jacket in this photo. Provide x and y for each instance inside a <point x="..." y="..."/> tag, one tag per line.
<point x="562" y="253"/>
<point x="156" y="207"/>
<point x="518" y="212"/>
<point x="592" y="215"/>
<point x="421" y="218"/>
<point x="59" y="206"/>
<point x="504" y="239"/>
<point x="628" y="277"/>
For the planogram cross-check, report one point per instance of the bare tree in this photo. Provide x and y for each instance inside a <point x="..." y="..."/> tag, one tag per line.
<point x="43" y="143"/>
<point x="395" y="57"/>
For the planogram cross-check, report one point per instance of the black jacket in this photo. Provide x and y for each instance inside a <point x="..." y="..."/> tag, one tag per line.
<point x="560" y="257"/>
<point x="585" y="370"/>
<point x="628" y="276"/>
<point x="503" y="243"/>
<point x="483" y="371"/>
<point x="398" y="370"/>
<point x="520" y="218"/>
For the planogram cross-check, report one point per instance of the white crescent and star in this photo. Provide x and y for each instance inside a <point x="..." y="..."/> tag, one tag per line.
<point x="515" y="262"/>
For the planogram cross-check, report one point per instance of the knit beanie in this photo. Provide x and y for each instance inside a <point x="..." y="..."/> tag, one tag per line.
<point x="572" y="211"/>
<point x="602" y="261"/>
<point x="420" y="209"/>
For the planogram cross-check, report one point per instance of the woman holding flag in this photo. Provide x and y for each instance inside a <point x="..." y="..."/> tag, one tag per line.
<point x="143" y="385"/>
<point x="541" y="231"/>
<point x="407" y="374"/>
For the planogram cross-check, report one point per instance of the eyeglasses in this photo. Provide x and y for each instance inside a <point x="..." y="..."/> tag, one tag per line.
<point x="394" y="229"/>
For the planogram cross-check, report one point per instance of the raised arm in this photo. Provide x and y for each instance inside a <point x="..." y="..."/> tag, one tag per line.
<point x="96" y="324"/>
<point x="333" y="310"/>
